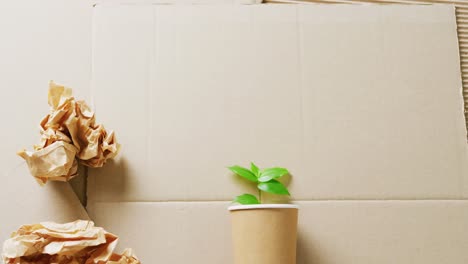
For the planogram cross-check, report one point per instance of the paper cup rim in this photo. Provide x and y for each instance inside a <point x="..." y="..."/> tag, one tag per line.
<point x="262" y="206"/>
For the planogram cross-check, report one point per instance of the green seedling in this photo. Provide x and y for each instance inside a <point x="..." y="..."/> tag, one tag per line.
<point x="266" y="181"/>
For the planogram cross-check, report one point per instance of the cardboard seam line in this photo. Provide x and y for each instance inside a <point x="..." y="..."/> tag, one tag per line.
<point x="89" y="181"/>
<point x="294" y="201"/>
<point x="461" y="15"/>
<point x="85" y="188"/>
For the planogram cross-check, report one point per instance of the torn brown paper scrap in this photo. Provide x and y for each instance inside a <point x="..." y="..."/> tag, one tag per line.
<point x="55" y="162"/>
<point x="76" y="242"/>
<point x="57" y="94"/>
<point x="77" y="118"/>
<point x="126" y="258"/>
<point x="83" y="141"/>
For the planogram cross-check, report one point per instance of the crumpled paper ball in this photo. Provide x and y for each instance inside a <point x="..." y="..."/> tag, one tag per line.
<point x="69" y="135"/>
<point x="78" y="242"/>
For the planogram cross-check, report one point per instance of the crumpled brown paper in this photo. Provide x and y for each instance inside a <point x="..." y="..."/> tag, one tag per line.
<point x="69" y="135"/>
<point x="78" y="242"/>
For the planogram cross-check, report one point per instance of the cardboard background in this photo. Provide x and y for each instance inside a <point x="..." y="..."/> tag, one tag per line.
<point x="197" y="88"/>
<point x="252" y="87"/>
<point x="52" y="40"/>
<point x="462" y="25"/>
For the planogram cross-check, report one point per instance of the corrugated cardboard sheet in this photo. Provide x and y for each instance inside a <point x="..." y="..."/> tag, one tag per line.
<point x="361" y="103"/>
<point x="462" y="23"/>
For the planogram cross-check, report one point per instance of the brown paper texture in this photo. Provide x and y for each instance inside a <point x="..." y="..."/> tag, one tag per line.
<point x="74" y="242"/>
<point x="264" y="236"/>
<point x="69" y="134"/>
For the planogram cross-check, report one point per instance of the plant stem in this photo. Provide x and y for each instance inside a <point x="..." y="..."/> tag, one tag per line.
<point x="260" y="196"/>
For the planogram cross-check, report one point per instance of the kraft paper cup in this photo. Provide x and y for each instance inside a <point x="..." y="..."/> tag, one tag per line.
<point x="264" y="233"/>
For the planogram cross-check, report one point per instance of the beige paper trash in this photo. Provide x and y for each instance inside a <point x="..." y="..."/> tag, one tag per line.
<point x="264" y="233"/>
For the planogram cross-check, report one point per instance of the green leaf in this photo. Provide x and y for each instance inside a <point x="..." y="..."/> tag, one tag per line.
<point x="273" y="186"/>
<point x="254" y="169"/>
<point x="272" y="173"/>
<point x="246" y="199"/>
<point x="243" y="172"/>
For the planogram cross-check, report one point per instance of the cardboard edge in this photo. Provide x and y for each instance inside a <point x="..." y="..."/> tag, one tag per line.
<point x="262" y="206"/>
